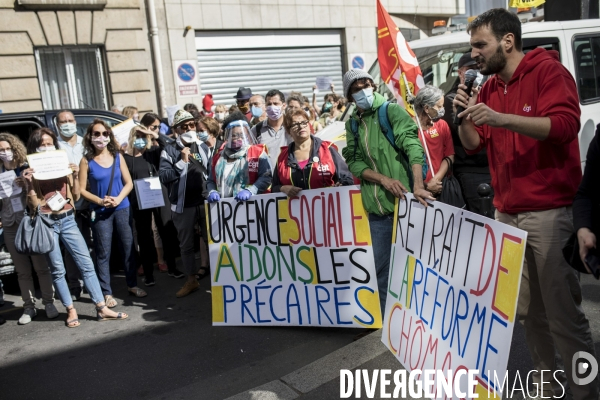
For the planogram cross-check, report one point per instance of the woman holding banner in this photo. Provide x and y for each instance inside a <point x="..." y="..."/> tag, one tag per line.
<point x="308" y="162"/>
<point x="242" y="168"/>
<point x="42" y="195"/>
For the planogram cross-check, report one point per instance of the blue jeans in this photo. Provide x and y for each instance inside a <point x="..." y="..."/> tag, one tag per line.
<point x="103" y="228"/>
<point x="381" y="237"/>
<point x="67" y="232"/>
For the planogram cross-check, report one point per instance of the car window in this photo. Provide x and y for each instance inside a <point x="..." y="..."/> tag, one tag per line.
<point x="83" y="121"/>
<point x="548" y="43"/>
<point x="22" y="128"/>
<point x="586" y="51"/>
<point x="440" y="66"/>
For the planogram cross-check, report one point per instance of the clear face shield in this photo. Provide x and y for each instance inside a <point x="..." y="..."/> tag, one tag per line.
<point x="238" y="136"/>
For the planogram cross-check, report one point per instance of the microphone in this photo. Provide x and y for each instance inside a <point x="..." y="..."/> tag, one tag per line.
<point x="470" y="77"/>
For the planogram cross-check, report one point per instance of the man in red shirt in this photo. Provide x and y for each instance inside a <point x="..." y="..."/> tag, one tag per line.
<point x="528" y="117"/>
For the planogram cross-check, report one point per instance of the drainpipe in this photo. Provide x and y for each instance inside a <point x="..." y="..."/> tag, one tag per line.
<point x="158" y="70"/>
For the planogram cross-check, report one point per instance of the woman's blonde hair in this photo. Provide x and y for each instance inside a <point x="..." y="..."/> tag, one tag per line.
<point x="129" y="111"/>
<point x="132" y="139"/>
<point x="17" y="146"/>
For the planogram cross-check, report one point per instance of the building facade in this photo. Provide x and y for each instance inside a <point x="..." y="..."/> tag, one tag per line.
<point x="96" y="53"/>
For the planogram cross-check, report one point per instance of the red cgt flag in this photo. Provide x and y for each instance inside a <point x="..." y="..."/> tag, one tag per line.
<point x="397" y="61"/>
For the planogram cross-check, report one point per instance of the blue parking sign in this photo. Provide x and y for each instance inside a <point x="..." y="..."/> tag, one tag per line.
<point x="358" y="62"/>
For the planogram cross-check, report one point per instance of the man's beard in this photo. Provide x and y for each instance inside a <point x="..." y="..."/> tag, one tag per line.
<point x="495" y="64"/>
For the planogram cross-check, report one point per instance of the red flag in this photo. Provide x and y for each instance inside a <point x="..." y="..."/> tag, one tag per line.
<point x="397" y="61"/>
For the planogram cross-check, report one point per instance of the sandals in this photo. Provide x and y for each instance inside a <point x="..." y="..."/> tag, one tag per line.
<point x="203" y="272"/>
<point x="120" y="316"/>
<point x="110" y="301"/>
<point x="72" y="323"/>
<point x="137" y="292"/>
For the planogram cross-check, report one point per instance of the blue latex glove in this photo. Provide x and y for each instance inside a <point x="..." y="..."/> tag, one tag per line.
<point x="243" y="195"/>
<point x="213" y="197"/>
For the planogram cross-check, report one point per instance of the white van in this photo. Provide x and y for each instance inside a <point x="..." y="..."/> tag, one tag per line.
<point x="578" y="43"/>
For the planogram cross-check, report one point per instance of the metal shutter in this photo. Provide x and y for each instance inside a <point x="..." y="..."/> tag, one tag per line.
<point x="222" y="72"/>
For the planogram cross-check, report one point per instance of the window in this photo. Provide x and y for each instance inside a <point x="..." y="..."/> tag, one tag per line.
<point x="587" y="68"/>
<point x="548" y="43"/>
<point x="71" y="78"/>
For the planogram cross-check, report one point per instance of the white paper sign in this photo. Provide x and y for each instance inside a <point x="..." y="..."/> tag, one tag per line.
<point x="122" y="130"/>
<point x="8" y="187"/>
<point x="452" y="294"/>
<point x="49" y="164"/>
<point x="171" y="110"/>
<point x="17" y="204"/>
<point x="149" y="193"/>
<point x="324" y="83"/>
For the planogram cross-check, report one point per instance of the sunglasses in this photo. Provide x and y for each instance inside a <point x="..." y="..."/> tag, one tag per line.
<point x="140" y="135"/>
<point x="189" y="125"/>
<point x="298" y="125"/>
<point x="153" y="127"/>
<point x="103" y="133"/>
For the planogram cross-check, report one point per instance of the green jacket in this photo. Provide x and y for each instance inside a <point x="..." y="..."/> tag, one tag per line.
<point x="376" y="153"/>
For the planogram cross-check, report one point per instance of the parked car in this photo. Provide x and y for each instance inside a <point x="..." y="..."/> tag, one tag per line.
<point x="578" y="43"/>
<point x="23" y="123"/>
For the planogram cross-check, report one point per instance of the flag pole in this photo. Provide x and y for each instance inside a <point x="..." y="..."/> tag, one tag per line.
<point x="420" y="127"/>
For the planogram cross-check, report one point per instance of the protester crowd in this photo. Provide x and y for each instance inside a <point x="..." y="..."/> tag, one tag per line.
<point x="267" y="144"/>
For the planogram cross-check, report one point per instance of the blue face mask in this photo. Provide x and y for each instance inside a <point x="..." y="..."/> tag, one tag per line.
<point x="140" y="143"/>
<point x="364" y="99"/>
<point x="327" y="107"/>
<point x="256" y="111"/>
<point x="203" y="136"/>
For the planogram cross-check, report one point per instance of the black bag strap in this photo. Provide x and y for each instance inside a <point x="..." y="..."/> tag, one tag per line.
<point x="112" y="175"/>
<point x="258" y="127"/>
<point x="450" y="166"/>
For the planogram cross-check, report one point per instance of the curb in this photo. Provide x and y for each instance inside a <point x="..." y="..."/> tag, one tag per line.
<point x="319" y="372"/>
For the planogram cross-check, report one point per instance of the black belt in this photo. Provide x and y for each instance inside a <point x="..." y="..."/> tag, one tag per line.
<point x="61" y="215"/>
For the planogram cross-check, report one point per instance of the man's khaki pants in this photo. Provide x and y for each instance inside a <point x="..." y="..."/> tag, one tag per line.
<point x="550" y="300"/>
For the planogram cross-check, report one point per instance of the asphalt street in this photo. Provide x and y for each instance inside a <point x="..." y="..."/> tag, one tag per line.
<point x="168" y="349"/>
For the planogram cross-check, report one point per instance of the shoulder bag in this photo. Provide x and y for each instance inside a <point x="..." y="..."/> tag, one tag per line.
<point x="34" y="235"/>
<point x="451" y="191"/>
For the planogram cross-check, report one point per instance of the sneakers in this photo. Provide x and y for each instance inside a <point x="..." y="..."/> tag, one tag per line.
<point x="176" y="274"/>
<point x="141" y="271"/>
<point x="149" y="282"/>
<point x="51" y="311"/>
<point x="28" y="314"/>
<point x="189" y="287"/>
<point x="163" y="268"/>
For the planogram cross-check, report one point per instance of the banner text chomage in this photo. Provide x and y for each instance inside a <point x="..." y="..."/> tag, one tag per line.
<point x="453" y="290"/>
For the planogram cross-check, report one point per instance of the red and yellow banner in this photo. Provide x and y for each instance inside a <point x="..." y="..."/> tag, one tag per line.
<point x="397" y="62"/>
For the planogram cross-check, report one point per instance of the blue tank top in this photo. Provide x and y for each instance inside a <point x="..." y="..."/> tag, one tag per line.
<point x="99" y="178"/>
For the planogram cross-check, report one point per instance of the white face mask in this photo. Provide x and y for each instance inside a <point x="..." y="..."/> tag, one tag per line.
<point x="6" y="155"/>
<point x="189" y="137"/>
<point x="68" y="129"/>
<point x="100" y="142"/>
<point x="45" y="148"/>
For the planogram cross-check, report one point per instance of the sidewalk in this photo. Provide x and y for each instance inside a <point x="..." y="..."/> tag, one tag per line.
<point x="320" y="380"/>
